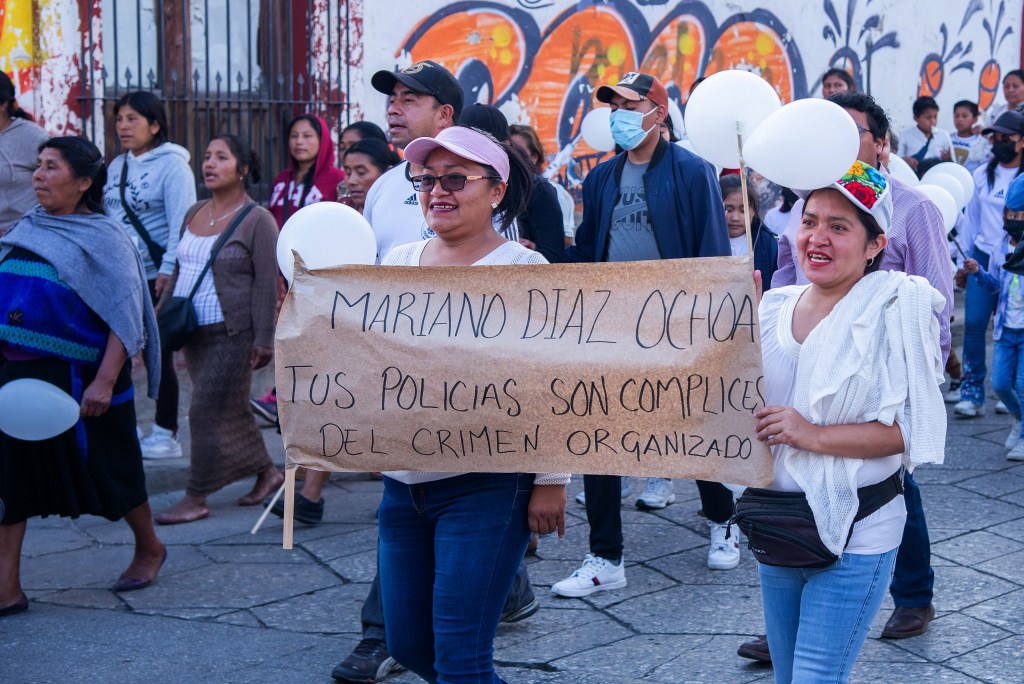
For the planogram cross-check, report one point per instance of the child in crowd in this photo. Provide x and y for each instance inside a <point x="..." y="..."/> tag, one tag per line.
<point x="1003" y="277"/>
<point x="766" y="243"/>
<point x="925" y="139"/>
<point x="970" y="149"/>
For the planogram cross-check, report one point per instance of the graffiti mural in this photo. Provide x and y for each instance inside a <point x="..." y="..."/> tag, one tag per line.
<point x="540" y="61"/>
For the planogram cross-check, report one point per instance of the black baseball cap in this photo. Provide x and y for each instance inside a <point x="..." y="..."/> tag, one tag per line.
<point x="486" y="118"/>
<point x="424" y="77"/>
<point x="1009" y="123"/>
<point x="635" y="86"/>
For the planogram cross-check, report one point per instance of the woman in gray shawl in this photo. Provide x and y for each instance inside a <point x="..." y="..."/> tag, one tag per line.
<point x="73" y="311"/>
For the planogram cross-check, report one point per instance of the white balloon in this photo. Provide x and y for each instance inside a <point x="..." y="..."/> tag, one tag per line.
<point x="35" y="410"/>
<point x="965" y="177"/>
<point x="596" y="129"/>
<point x="805" y="145"/>
<point x="900" y="170"/>
<point x="325" y="234"/>
<point x="718" y="104"/>
<point x="950" y="185"/>
<point x="941" y="198"/>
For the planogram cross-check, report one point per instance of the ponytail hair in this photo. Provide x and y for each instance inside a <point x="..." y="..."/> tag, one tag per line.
<point x="518" y="187"/>
<point x="85" y="161"/>
<point x="7" y="99"/>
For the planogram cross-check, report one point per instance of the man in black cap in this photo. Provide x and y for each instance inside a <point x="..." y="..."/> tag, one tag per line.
<point x="423" y="100"/>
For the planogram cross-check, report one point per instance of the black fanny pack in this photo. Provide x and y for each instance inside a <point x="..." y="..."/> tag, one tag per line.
<point x="780" y="528"/>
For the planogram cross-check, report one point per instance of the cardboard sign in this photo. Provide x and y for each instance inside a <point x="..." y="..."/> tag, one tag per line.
<point x="642" y="368"/>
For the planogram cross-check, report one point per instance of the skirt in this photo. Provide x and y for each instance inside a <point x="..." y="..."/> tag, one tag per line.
<point x="95" y="468"/>
<point x="226" y="443"/>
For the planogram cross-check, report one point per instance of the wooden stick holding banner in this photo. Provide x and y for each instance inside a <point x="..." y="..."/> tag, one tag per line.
<point x="289" y="506"/>
<point x="743" y="191"/>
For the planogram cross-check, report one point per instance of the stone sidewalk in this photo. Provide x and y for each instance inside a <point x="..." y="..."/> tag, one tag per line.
<point x="233" y="607"/>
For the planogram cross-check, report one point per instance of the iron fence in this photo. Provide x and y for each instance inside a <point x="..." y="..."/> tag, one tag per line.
<point x="231" y="66"/>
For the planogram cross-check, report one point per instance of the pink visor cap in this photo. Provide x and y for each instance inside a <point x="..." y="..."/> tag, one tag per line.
<point x="466" y="143"/>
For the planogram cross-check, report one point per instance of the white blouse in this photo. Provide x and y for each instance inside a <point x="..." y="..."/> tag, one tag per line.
<point x="882" y="530"/>
<point x="193" y="253"/>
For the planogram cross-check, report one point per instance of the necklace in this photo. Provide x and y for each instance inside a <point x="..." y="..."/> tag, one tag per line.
<point x="213" y="221"/>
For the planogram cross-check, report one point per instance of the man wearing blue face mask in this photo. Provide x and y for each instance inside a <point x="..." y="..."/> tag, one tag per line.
<point x="655" y="200"/>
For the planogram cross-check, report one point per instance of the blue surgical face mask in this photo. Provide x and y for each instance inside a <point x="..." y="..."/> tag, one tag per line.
<point x="628" y="128"/>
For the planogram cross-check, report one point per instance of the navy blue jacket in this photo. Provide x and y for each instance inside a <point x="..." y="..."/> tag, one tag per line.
<point x="766" y="252"/>
<point x="684" y="205"/>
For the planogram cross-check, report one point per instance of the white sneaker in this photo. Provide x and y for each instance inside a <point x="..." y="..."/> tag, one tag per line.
<point x="624" y="491"/>
<point x="952" y="395"/>
<point x="968" y="409"/>
<point x="1001" y="409"/>
<point x="723" y="554"/>
<point x="596" y="574"/>
<point x="658" y="493"/>
<point x="161" y="443"/>
<point x="1016" y="453"/>
<point x="1014" y="436"/>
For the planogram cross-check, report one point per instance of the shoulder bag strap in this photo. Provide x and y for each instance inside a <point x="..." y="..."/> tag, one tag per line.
<point x="216" y="247"/>
<point x="156" y="252"/>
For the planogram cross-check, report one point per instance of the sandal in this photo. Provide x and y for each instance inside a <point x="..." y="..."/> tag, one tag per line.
<point x="179" y="518"/>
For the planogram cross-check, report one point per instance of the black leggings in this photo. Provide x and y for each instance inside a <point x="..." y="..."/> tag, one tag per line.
<point x="167" y="397"/>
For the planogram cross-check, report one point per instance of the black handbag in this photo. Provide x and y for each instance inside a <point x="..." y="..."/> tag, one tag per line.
<point x="177" y="317"/>
<point x="780" y="527"/>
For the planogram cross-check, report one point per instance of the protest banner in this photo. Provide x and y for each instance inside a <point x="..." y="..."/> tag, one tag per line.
<point x="642" y="368"/>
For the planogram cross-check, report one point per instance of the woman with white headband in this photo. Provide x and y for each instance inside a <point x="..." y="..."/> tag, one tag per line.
<point x="852" y="369"/>
<point x="450" y="543"/>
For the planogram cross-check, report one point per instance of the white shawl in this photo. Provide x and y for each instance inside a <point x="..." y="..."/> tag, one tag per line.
<point x="876" y="356"/>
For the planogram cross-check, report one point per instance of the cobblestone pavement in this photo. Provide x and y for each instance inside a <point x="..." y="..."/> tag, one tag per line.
<point x="233" y="607"/>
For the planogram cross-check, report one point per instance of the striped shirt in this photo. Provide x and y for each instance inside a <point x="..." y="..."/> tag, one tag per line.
<point x="193" y="253"/>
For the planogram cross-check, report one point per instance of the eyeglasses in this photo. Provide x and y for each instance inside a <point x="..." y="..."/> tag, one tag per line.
<point x="452" y="182"/>
<point x="861" y="129"/>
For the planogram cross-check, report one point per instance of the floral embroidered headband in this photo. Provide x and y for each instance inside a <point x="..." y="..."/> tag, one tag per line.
<point x="869" y="190"/>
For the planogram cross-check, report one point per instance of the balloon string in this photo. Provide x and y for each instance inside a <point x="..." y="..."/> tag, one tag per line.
<point x="743" y="188"/>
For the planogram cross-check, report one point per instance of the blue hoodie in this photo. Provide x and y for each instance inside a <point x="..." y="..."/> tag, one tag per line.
<point x="160" y="188"/>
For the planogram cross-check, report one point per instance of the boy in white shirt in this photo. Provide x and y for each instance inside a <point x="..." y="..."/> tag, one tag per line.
<point x="925" y="139"/>
<point x="970" y="149"/>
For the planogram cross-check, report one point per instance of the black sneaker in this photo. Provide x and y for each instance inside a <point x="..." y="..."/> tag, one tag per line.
<point x="368" y="662"/>
<point x="306" y="511"/>
<point x="522" y="612"/>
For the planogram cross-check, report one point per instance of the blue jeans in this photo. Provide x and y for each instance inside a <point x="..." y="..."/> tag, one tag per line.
<point x="978" y="309"/>
<point x="914" y="578"/>
<point x="1008" y="369"/>
<point x="449" y="551"/>
<point x="817" y="620"/>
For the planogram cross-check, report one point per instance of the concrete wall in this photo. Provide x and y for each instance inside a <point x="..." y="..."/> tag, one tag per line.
<point x="539" y="60"/>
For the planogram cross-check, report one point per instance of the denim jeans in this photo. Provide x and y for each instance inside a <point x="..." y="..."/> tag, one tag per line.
<point x="818" y="620"/>
<point x="449" y="551"/>
<point x="978" y="309"/>
<point x="913" y="578"/>
<point x="1008" y="369"/>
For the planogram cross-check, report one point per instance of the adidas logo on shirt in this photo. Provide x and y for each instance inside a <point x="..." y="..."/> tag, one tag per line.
<point x="412" y="200"/>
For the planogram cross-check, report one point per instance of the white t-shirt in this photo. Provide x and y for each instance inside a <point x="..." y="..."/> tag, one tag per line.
<point x="882" y="530"/>
<point x="776" y="221"/>
<point x="738" y="245"/>
<point x="912" y="140"/>
<point x="970" y="152"/>
<point x="393" y="210"/>
<point x="1014" y="317"/>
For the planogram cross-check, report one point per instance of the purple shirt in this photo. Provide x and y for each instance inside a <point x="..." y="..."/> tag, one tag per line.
<point x="917" y="246"/>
